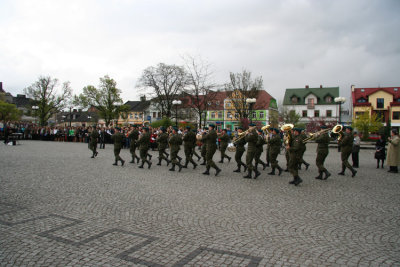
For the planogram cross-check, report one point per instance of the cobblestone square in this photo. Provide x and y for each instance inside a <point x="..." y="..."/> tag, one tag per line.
<point x="59" y="207"/>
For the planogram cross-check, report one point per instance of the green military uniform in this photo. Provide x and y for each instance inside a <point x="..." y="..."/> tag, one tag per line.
<point x="94" y="135"/>
<point x="204" y="149"/>
<point x="275" y="144"/>
<point x="239" y="153"/>
<point x="302" y="151"/>
<point x="251" y="139"/>
<point x="224" y="138"/>
<point x="133" y="137"/>
<point x="267" y="157"/>
<point x="194" y="153"/>
<point x="322" y="152"/>
<point x="162" y="142"/>
<point x="211" y="143"/>
<point x="175" y="141"/>
<point x="189" y="140"/>
<point x="118" y="138"/>
<point x="346" y="146"/>
<point x="259" y="149"/>
<point x="144" y="143"/>
<point x="295" y="147"/>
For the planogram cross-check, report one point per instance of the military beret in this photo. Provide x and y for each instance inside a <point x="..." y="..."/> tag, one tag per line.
<point x="348" y="127"/>
<point x="275" y="130"/>
<point x="211" y="125"/>
<point x="252" y="124"/>
<point x="297" y="129"/>
<point x="260" y="131"/>
<point x="146" y="128"/>
<point x="240" y="128"/>
<point x="175" y="129"/>
<point x="195" y="131"/>
<point x="162" y="128"/>
<point x="324" y="126"/>
<point x="119" y="129"/>
<point x="188" y="127"/>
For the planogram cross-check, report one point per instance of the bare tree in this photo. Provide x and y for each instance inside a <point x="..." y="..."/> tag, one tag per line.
<point x="242" y="87"/>
<point x="166" y="82"/>
<point x="44" y="95"/>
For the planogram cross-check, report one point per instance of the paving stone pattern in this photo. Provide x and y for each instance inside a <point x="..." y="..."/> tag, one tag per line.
<point x="59" y="207"/>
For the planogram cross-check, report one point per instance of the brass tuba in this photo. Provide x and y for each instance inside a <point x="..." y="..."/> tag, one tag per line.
<point x="266" y="128"/>
<point x="338" y="129"/>
<point x="287" y="128"/>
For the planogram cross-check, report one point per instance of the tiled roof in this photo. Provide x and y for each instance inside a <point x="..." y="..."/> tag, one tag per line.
<point x="137" y="105"/>
<point x="358" y="93"/>
<point x="302" y="93"/>
<point x="22" y="101"/>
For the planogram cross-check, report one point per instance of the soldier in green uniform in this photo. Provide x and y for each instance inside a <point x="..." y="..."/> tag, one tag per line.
<point x="133" y="137"/>
<point x="94" y="135"/>
<point x="224" y="137"/>
<point x="211" y="142"/>
<point x="189" y="140"/>
<point x="294" y="148"/>
<point x="239" y="151"/>
<point x="118" y="138"/>
<point x="275" y="144"/>
<point x="302" y="151"/>
<point x="251" y="139"/>
<point x="144" y="143"/>
<point x="194" y="153"/>
<point x="259" y="149"/>
<point x="322" y="152"/>
<point x="175" y="141"/>
<point x="346" y="147"/>
<point x="162" y="141"/>
<point x="204" y="147"/>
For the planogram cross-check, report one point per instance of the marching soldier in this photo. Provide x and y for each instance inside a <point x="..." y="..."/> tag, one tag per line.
<point x="224" y="144"/>
<point x="94" y="135"/>
<point x="194" y="153"/>
<point x="239" y="151"/>
<point x="133" y="137"/>
<point x="275" y="144"/>
<point x="302" y="151"/>
<point x="322" y="152"/>
<point x="294" y="149"/>
<point x="162" y="141"/>
<point x="346" y="147"/>
<point x="211" y="142"/>
<point x="189" y="140"/>
<point x="144" y="142"/>
<point x="118" y="138"/>
<point x="175" y="141"/>
<point x="251" y="139"/>
<point x="204" y="147"/>
<point x="259" y="149"/>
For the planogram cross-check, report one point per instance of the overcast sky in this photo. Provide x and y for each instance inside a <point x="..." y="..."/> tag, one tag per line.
<point x="290" y="43"/>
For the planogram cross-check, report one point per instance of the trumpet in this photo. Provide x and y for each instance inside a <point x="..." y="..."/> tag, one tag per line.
<point x="243" y="134"/>
<point x="314" y="135"/>
<point x="338" y="129"/>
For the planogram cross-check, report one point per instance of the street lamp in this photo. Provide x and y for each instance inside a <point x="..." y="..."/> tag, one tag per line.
<point x="340" y="100"/>
<point x="176" y="103"/>
<point x="250" y="102"/>
<point x="35" y="108"/>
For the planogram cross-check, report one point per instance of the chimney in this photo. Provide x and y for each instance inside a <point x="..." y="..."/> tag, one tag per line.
<point x="320" y="86"/>
<point x="352" y="88"/>
<point x="143" y="98"/>
<point x="307" y="86"/>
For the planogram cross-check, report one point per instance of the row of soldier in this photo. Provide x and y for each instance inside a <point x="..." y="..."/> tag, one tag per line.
<point x="294" y="141"/>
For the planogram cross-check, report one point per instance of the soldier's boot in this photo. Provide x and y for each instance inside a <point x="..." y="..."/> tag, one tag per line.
<point x="319" y="177"/>
<point x="137" y="159"/>
<point x="238" y="168"/>
<point x="293" y="181"/>
<point x="286" y="170"/>
<point x="96" y="153"/>
<point x="159" y="161"/>
<point x="264" y="165"/>
<point x="149" y="163"/>
<point x="115" y="163"/>
<point x="173" y="167"/>
<point x="150" y="156"/>
<point x="141" y="166"/>
<point x="327" y="174"/>
<point x="298" y="180"/>
<point x="168" y="161"/>
<point x="133" y="160"/>
<point x="256" y="173"/>
<point x="245" y="167"/>
<point x="272" y="172"/>
<point x="280" y="170"/>
<point x="179" y="158"/>
<point x="221" y="161"/>
<point x="92" y="155"/>
<point x="122" y="162"/>
<point x="204" y="162"/>
<point x="167" y="154"/>
<point x="180" y="166"/>
<point x="342" y="172"/>
<point x="307" y="165"/>
<point x="186" y="164"/>
<point x="353" y="173"/>
<point x="267" y="164"/>
<point x="198" y="158"/>
<point x="207" y="172"/>
<point x="194" y="164"/>
<point x="299" y="166"/>
<point x="218" y="170"/>
<point x="248" y="176"/>
<point x="229" y="158"/>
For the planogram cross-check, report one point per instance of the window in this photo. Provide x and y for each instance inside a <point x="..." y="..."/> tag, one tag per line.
<point x="229" y="115"/>
<point x="310" y="103"/>
<point x="396" y="89"/>
<point x="217" y="103"/>
<point x="396" y="115"/>
<point x="131" y="116"/>
<point x="219" y="114"/>
<point x="363" y="90"/>
<point x="329" y="113"/>
<point x="362" y="100"/>
<point x="328" y="99"/>
<point x="304" y="113"/>
<point x="136" y="115"/>
<point x="228" y="104"/>
<point x="261" y="114"/>
<point x="213" y="115"/>
<point x="236" y="115"/>
<point x="316" y="113"/>
<point x="154" y="114"/>
<point x="254" y="115"/>
<point x="380" y="102"/>
<point x="294" y="100"/>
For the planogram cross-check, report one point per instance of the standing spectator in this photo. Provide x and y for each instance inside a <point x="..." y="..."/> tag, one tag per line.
<point x="102" y="138"/>
<point x="380" y="153"/>
<point x="394" y="152"/>
<point x="356" y="150"/>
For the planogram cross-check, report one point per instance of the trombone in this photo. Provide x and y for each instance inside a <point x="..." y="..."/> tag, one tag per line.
<point x="242" y="135"/>
<point x="314" y="135"/>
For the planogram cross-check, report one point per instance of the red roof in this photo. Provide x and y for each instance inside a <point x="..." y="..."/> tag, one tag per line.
<point x="365" y="92"/>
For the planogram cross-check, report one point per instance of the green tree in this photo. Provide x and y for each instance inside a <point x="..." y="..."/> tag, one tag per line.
<point x="290" y="116"/>
<point x="9" y="112"/>
<point x="44" y="95"/>
<point x="106" y="99"/>
<point x="367" y="124"/>
<point x="166" y="122"/>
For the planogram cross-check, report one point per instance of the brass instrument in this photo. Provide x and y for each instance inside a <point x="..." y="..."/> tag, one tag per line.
<point x="266" y="128"/>
<point x="314" y="135"/>
<point x="243" y="134"/>
<point x="287" y="128"/>
<point x="338" y="129"/>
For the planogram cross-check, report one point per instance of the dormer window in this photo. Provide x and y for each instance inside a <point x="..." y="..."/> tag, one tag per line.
<point x="362" y="100"/>
<point x="396" y="89"/>
<point x="217" y="103"/>
<point x="294" y="100"/>
<point x="363" y="90"/>
<point x="328" y="99"/>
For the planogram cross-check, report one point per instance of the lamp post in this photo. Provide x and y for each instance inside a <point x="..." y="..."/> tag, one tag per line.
<point x="176" y="103"/>
<point x="35" y="108"/>
<point x="250" y="102"/>
<point x="340" y="100"/>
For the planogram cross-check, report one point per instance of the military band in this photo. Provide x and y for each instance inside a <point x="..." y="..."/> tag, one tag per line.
<point x="94" y="136"/>
<point x="189" y="140"/>
<point x="224" y="138"/>
<point x="162" y="143"/>
<point x="133" y="137"/>
<point x="240" y="143"/>
<point x="274" y="144"/>
<point x="346" y="147"/>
